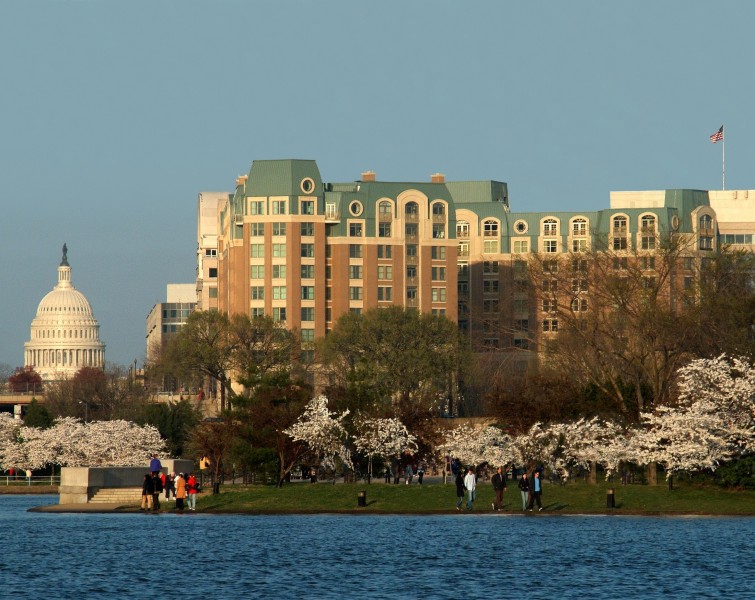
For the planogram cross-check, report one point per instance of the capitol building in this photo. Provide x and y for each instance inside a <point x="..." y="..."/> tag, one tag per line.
<point x="65" y="336"/>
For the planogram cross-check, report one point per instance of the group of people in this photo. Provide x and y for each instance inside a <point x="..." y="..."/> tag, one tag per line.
<point x="392" y="472"/>
<point x="184" y="488"/>
<point x="530" y="488"/>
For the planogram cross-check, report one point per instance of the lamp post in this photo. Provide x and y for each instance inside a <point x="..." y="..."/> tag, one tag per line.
<point x="86" y="410"/>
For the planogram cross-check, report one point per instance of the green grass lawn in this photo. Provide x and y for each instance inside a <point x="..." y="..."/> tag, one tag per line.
<point x="575" y="497"/>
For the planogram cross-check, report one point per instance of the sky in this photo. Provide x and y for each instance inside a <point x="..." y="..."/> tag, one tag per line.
<point x="115" y="115"/>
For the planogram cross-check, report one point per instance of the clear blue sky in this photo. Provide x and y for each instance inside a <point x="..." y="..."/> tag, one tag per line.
<point x="115" y="115"/>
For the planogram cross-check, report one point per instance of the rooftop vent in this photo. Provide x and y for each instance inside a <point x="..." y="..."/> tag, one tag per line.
<point x="368" y="176"/>
<point x="438" y="178"/>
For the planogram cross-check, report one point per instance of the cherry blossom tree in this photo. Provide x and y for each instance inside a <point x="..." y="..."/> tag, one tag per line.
<point x="478" y="445"/>
<point x="588" y="442"/>
<point x="386" y="438"/>
<point x="322" y="431"/>
<point x="69" y="442"/>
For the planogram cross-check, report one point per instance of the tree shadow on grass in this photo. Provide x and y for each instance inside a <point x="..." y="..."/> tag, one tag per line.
<point x="555" y="506"/>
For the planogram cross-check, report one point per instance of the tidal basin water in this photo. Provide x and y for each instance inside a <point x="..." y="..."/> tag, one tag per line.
<point x="463" y="556"/>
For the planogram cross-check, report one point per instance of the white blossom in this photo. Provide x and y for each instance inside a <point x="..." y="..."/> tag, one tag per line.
<point x="386" y="438"/>
<point x="477" y="445"/>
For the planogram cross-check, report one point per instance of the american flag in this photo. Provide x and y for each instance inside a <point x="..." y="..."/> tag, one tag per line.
<point x="718" y="136"/>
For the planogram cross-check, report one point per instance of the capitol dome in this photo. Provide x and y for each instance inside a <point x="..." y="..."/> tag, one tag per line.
<point x="65" y="336"/>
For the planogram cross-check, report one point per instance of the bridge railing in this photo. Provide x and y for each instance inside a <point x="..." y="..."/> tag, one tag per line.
<point x="21" y="479"/>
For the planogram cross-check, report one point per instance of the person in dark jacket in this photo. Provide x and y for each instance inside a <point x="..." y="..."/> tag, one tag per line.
<point x="524" y="490"/>
<point x="157" y="488"/>
<point x="148" y="489"/>
<point x="499" y="486"/>
<point x="536" y="489"/>
<point x="459" y="489"/>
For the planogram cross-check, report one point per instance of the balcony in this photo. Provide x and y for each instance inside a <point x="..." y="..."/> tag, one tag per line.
<point x="385" y="217"/>
<point x="411" y="217"/>
<point x="439" y="218"/>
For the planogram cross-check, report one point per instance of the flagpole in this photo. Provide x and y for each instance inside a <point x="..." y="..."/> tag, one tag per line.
<point x="723" y="164"/>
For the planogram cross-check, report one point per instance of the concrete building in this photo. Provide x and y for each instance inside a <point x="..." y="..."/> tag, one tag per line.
<point x="207" y="249"/>
<point x="65" y="336"/>
<point x="166" y="318"/>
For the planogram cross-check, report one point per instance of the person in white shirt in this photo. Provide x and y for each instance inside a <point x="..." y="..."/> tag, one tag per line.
<point x="470" y="482"/>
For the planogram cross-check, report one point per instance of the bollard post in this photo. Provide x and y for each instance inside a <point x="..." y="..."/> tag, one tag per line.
<point x="362" y="499"/>
<point x="610" y="498"/>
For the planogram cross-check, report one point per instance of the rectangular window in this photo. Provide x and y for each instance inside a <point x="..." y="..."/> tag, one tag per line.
<point x="328" y="251"/>
<point x="279" y="250"/>
<point x="648" y="242"/>
<point x="463" y="249"/>
<point x="279" y="229"/>
<point x="328" y="272"/>
<point x="462" y="270"/>
<point x="307" y="271"/>
<point x="355" y="271"/>
<point x="258" y="292"/>
<point x="441" y="312"/>
<point x="257" y="312"/>
<point x="213" y="292"/>
<point x="355" y="250"/>
<point x="411" y="271"/>
<point x="279" y="207"/>
<point x="307" y="207"/>
<point x="385" y="293"/>
<point x="490" y="247"/>
<point x="355" y="230"/>
<point x="307" y="335"/>
<point x="355" y="310"/>
<point x="579" y="305"/>
<point x="279" y="271"/>
<point x="490" y="306"/>
<point x="385" y="272"/>
<point x="307" y="229"/>
<point x="521" y="246"/>
<point x="279" y="292"/>
<point x="256" y="207"/>
<point x="307" y="292"/>
<point x="550" y="325"/>
<point x="579" y="266"/>
<point x="384" y="230"/>
<point x="411" y="250"/>
<point x="521" y="325"/>
<point x="279" y="313"/>
<point x="256" y="229"/>
<point x="211" y="252"/>
<point x="328" y="293"/>
<point x="549" y="305"/>
<point x="439" y="231"/>
<point x="439" y="294"/>
<point x="308" y="313"/>
<point x="328" y="314"/>
<point x="619" y="243"/>
<point x="257" y="272"/>
<point x="620" y="263"/>
<point x="521" y="306"/>
<point x="439" y="273"/>
<point x="689" y="263"/>
<point x="490" y="286"/>
<point x="490" y="266"/>
<point x="411" y="230"/>
<point x="355" y="293"/>
<point x="213" y="272"/>
<point x="257" y="250"/>
<point x="648" y="263"/>
<point x="550" y="266"/>
<point x="550" y="246"/>
<point x="438" y="253"/>
<point x="579" y="245"/>
<point x="307" y="250"/>
<point x="385" y="251"/>
<point x="550" y="285"/>
<point x="689" y="283"/>
<point x="411" y="293"/>
<point x="579" y="285"/>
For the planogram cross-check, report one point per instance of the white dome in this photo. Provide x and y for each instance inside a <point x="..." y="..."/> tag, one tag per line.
<point x="65" y="336"/>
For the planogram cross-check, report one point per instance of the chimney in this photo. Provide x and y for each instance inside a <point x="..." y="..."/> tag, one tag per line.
<point x="438" y="178"/>
<point x="241" y="180"/>
<point x="368" y="176"/>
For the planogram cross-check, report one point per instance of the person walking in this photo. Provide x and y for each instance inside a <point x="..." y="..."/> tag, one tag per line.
<point x="148" y="489"/>
<point x="499" y="487"/>
<point x="170" y="485"/>
<point x="420" y="473"/>
<point x="180" y="492"/>
<point x="535" y="491"/>
<point x="524" y="490"/>
<point x="191" y="488"/>
<point x="470" y="482"/>
<point x="459" y="490"/>
<point x="408" y="474"/>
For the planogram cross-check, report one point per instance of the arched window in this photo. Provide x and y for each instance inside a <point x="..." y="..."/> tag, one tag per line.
<point x="579" y="227"/>
<point x="706" y="222"/>
<point x="550" y="227"/>
<point x="648" y="224"/>
<point x="462" y="229"/>
<point x="620" y="224"/>
<point x="439" y="209"/>
<point x="490" y="228"/>
<point x="411" y="209"/>
<point x="385" y="209"/>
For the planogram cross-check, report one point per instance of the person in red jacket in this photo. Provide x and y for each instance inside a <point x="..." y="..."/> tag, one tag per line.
<point x="191" y="484"/>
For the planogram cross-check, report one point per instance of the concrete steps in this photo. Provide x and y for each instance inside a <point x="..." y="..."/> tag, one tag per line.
<point x="117" y="496"/>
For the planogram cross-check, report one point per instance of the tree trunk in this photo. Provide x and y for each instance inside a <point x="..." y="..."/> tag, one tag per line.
<point x="670" y="482"/>
<point x="593" y="475"/>
<point x="652" y="473"/>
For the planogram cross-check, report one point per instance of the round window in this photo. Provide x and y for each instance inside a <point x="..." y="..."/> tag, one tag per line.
<point x="520" y="226"/>
<point x="307" y="185"/>
<point x="674" y="222"/>
<point x="355" y="208"/>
